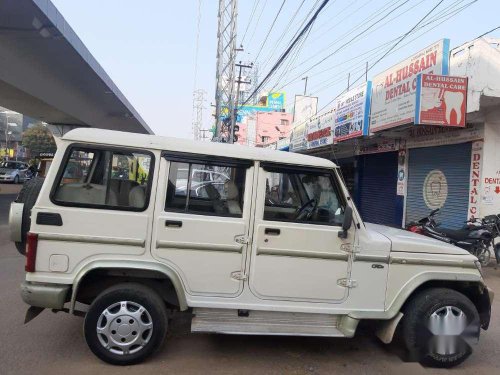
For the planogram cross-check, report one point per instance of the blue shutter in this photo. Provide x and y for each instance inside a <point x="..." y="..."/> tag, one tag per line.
<point x="378" y="201"/>
<point x="426" y="167"/>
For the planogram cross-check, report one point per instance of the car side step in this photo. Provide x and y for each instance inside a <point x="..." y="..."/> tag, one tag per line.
<point x="255" y="322"/>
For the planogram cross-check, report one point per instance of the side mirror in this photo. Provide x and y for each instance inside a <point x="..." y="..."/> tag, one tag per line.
<point x="346" y="224"/>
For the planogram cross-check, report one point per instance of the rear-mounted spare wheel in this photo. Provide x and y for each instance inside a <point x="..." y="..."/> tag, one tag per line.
<point x="27" y="196"/>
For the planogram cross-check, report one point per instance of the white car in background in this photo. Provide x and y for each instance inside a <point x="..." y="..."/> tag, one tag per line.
<point x="13" y="171"/>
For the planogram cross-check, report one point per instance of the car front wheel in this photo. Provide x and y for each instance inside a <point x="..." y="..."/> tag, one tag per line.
<point x="439" y="327"/>
<point x="126" y="324"/>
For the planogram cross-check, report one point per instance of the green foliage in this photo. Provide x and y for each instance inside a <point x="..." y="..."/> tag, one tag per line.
<point x="39" y="139"/>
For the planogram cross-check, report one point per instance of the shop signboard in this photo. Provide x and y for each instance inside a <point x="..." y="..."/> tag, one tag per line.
<point x="441" y="100"/>
<point x="352" y="113"/>
<point x="304" y="108"/>
<point x="319" y="130"/>
<point x="393" y="98"/>
<point x="298" y="138"/>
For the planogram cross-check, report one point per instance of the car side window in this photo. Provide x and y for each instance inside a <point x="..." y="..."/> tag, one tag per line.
<point x="298" y="196"/>
<point x="100" y="178"/>
<point x="206" y="189"/>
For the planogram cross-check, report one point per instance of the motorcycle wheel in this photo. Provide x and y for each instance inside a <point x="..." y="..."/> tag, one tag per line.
<point x="484" y="257"/>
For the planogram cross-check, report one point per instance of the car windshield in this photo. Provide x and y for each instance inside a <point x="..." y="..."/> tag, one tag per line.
<point x="9" y="165"/>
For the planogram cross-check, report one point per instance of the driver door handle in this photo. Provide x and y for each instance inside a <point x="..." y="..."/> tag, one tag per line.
<point x="272" y="231"/>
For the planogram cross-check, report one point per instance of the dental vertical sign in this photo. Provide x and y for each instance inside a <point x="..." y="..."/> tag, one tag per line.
<point x="441" y="100"/>
<point x="476" y="161"/>
<point x="393" y="97"/>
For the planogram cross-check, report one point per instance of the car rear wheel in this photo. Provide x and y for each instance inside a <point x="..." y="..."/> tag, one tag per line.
<point x="126" y="324"/>
<point x="438" y="327"/>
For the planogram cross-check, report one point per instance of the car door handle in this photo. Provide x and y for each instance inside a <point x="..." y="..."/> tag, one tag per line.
<point x="272" y="231"/>
<point x="173" y="223"/>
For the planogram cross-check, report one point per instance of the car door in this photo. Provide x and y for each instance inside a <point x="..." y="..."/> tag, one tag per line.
<point x="201" y="227"/>
<point x="297" y="253"/>
<point x="94" y="210"/>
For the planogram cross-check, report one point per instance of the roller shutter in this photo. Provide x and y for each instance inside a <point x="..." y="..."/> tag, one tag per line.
<point x="439" y="177"/>
<point x="377" y="199"/>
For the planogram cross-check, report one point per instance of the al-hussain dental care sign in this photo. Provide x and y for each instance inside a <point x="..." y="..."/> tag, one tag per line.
<point x="393" y="98"/>
<point x="441" y="100"/>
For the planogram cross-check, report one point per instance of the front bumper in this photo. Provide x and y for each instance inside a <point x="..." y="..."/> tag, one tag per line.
<point x="7" y="178"/>
<point x="51" y="296"/>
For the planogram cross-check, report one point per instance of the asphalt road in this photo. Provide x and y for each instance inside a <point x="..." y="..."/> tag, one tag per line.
<point x="54" y="343"/>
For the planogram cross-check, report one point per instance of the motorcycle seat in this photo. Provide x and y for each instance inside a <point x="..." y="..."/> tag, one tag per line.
<point x="455" y="234"/>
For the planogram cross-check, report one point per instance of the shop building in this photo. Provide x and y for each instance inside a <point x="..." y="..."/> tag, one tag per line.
<point x="400" y="169"/>
<point x="264" y="128"/>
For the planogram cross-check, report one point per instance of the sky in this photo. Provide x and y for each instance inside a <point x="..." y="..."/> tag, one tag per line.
<point x="148" y="47"/>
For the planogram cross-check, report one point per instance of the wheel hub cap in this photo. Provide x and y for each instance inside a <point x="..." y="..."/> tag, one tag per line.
<point x="124" y="327"/>
<point x="447" y="324"/>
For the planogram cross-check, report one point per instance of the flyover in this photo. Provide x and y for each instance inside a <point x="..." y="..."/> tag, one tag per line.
<point x="46" y="72"/>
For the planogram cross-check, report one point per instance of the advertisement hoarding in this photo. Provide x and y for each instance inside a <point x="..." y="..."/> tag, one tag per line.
<point x="393" y="98"/>
<point x="352" y="113"/>
<point x="305" y="107"/>
<point x="319" y="130"/>
<point x="298" y="138"/>
<point x="441" y="100"/>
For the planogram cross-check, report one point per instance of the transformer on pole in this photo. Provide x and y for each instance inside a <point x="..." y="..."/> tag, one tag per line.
<point x="225" y="68"/>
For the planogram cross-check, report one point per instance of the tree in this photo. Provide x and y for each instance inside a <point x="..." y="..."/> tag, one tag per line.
<point x="39" y="139"/>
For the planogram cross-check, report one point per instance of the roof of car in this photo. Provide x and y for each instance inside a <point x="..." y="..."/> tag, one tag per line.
<point x="110" y="137"/>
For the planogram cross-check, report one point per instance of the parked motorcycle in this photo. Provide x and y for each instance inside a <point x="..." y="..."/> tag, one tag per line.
<point x="477" y="236"/>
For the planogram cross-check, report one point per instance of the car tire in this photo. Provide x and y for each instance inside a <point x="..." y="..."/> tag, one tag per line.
<point x="118" y="332"/>
<point x="433" y="306"/>
<point x="16" y="179"/>
<point x="28" y="195"/>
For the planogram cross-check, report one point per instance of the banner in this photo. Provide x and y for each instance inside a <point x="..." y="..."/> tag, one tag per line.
<point x="298" y="138"/>
<point x="319" y="130"/>
<point x="441" y="100"/>
<point x="304" y="108"/>
<point x="352" y="113"/>
<point x="393" y="98"/>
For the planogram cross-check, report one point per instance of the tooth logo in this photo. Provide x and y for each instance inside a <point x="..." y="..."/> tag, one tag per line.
<point x="453" y="102"/>
<point x="435" y="189"/>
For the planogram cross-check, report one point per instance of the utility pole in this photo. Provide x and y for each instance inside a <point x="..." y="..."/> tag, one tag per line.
<point x="198" y="99"/>
<point x="226" y="57"/>
<point x="305" y="85"/>
<point x="234" y="114"/>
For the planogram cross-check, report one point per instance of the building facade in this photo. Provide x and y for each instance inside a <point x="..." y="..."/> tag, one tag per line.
<point x="264" y="128"/>
<point x="400" y="173"/>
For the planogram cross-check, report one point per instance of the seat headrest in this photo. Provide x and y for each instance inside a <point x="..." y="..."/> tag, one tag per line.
<point x="232" y="193"/>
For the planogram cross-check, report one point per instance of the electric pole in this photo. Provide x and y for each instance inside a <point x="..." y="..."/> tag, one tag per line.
<point x="198" y="99"/>
<point x="234" y="114"/>
<point x="225" y="68"/>
<point x="305" y="85"/>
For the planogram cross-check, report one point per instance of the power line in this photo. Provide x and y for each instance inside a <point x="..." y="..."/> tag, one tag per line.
<point x="447" y="15"/>
<point x="288" y="50"/>
<point x="257" y="22"/>
<point x="284" y="31"/>
<point x="255" y="5"/>
<point x="349" y="41"/>
<point x="488" y="32"/>
<point x="438" y="16"/>
<point x="388" y="51"/>
<point x="270" y="29"/>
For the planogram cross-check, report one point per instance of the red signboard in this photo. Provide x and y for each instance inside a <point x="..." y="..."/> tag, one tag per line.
<point x="441" y="100"/>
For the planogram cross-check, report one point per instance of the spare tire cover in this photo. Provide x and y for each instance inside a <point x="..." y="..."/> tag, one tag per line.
<point x="28" y="195"/>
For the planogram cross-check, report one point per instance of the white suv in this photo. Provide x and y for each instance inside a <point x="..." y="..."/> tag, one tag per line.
<point x="276" y="247"/>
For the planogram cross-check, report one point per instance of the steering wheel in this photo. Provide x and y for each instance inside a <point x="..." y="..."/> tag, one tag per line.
<point x="306" y="210"/>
